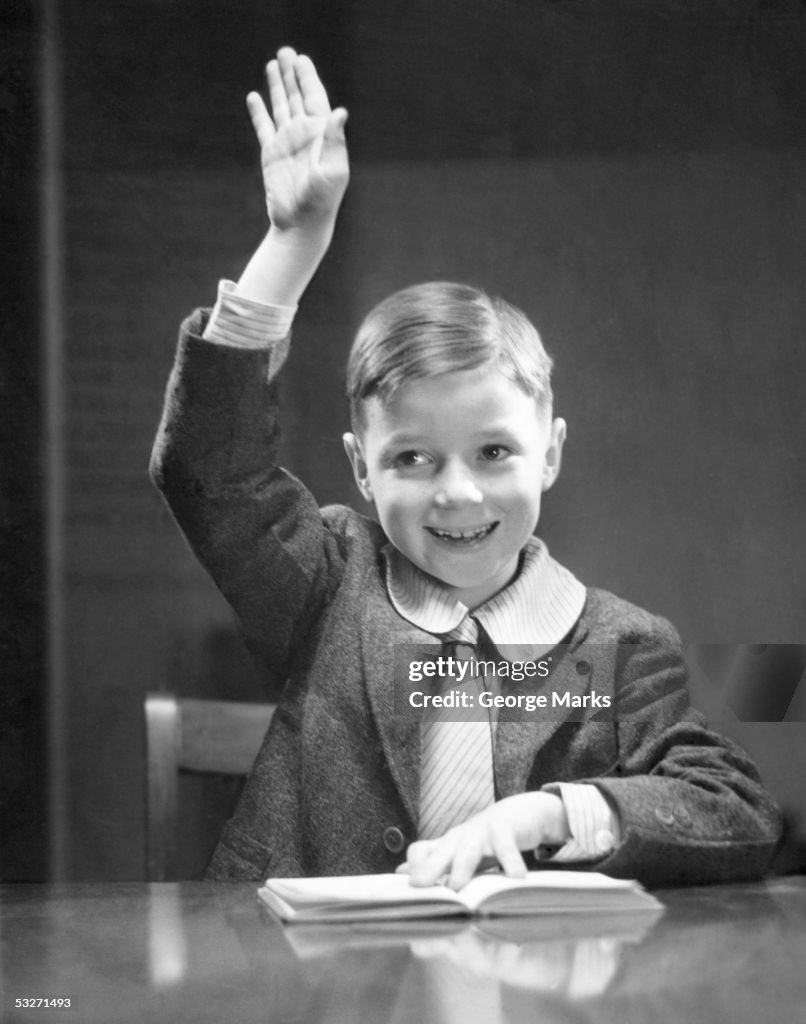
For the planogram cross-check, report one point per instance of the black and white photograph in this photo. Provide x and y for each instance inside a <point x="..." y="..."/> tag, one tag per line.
<point x="402" y="489"/>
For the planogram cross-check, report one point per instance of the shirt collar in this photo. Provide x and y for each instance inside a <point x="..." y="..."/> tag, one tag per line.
<point x="534" y="613"/>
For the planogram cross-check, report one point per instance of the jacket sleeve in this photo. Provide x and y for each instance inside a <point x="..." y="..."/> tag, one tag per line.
<point x="255" y="528"/>
<point x="691" y="804"/>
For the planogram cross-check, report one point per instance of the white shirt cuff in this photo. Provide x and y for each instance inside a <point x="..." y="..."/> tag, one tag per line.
<point x="595" y="827"/>
<point x="241" y="322"/>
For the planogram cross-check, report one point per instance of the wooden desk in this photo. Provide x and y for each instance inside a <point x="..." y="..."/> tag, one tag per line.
<point x="208" y="952"/>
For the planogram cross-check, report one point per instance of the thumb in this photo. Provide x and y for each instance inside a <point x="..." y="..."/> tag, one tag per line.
<point x="334" y="129"/>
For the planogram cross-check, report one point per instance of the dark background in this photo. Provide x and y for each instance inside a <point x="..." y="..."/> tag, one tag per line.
<point x="632" y="174"/>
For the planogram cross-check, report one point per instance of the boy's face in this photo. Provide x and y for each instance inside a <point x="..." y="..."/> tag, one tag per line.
<point x="456" y="466"/>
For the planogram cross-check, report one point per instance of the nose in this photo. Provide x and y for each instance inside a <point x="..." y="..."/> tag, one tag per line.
<point x="456" y="486"/>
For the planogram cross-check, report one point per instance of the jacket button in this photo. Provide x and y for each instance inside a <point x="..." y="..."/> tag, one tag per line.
<point x="604" y="840"/>
<point x="393" y="839"/>
<point x="664" y="816"/>
<point x="583" y="668"/>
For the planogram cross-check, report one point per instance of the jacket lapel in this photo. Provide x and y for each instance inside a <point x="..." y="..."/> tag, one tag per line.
<point x="520" y="734"/>
<point x="391" y="643"/>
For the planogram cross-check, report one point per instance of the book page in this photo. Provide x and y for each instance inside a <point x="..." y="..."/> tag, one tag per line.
<point x="489" y="885"/>
<point x="357" y="890"/>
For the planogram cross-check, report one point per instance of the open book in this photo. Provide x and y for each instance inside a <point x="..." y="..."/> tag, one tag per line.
<point x="385" y="897"/>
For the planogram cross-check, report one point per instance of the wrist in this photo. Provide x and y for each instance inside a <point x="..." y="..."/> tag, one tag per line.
<point x="302" y="241"/>
<point x="539" y="819"/>
<point x="550" y="821"/>
<point x="284" y="263"/>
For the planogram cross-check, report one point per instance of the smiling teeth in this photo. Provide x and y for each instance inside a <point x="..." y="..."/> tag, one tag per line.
<point x="463" y="534"/>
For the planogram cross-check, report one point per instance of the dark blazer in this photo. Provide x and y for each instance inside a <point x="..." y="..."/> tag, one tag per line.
<point x="334" y="789"/>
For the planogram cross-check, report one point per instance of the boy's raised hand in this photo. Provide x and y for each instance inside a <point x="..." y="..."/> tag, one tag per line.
<point x="303" y="153"/>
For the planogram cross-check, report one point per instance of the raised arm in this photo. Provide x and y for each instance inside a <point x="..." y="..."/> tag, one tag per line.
<point x="303" y="156"/>
<point x="255" y="528"/>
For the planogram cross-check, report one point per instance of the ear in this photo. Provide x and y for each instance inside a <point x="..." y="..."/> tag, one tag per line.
<point x="554" y="452"/>
<point x="356" y="456"/>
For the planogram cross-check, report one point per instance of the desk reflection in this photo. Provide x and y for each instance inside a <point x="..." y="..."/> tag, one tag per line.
<point x="212" y="952"/>
<point x="455" y="970"/>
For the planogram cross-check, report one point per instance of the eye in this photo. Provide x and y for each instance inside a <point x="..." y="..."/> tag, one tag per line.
<point x="495" y="452"/>
<point x="411" y="459"/>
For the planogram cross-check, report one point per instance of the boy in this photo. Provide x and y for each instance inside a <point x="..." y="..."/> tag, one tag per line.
<point x="454" y="441"/>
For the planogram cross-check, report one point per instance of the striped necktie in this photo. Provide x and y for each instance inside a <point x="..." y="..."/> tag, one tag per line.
<point x="456" y="766"/>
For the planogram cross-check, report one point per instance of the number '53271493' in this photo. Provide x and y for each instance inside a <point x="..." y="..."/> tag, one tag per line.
<point x="43" y="1003"/>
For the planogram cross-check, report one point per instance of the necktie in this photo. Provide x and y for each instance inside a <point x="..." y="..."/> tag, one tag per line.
<point x="456" y="766"/>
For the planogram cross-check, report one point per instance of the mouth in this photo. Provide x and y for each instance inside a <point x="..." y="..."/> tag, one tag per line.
<point x="468" y="535"/>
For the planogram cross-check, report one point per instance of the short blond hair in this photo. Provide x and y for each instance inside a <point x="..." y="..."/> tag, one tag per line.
<point x="440" y="327"/>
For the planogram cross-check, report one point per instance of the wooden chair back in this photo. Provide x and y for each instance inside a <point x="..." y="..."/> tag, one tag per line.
<point x="196" y="736"/>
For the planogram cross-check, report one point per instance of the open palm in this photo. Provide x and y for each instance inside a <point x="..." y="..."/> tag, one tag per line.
<point x="303" y="153"/>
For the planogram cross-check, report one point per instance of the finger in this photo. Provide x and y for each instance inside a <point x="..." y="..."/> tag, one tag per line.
<point x="419" y="847"/>
<point x="287" y="59"/>
<point x="429" y="860"/>
<point x="261" y="122"/>
<point x="465" y="861"/>
<point x="507" y="853"/>
<point x="314" y="96"/>
<point x="417" y="853"/>
<point x="279" y="100"/>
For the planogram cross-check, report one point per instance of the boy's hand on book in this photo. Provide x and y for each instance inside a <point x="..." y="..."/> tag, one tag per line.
<point x="303" y="152"/>
<point x="521" y="822"/>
